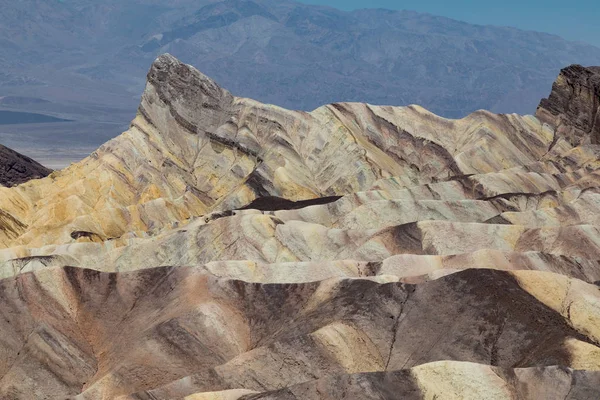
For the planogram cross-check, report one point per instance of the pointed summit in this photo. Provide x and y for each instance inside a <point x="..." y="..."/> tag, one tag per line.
<point x="193" y="99"/>
<point x="167" y="69"/>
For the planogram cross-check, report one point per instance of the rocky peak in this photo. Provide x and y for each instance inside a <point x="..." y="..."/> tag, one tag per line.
<point x="574" y="104"/>
<point x="192" y="98"/>
<point x="16" y="168"/>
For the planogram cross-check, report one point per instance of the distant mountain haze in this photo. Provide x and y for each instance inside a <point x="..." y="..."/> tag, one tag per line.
<point x="86" y="61"/>
<point x="574" y="20"/>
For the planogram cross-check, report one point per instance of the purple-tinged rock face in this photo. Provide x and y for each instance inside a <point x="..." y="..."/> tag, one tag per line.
<point x="573" y="107"/>
<point x="16" y="168"/>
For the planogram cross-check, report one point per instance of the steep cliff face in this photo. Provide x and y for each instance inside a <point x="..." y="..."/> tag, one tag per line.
<point x="16" y="168"/>
<point x="226" y="249"/>
<point x="573" y="107"/>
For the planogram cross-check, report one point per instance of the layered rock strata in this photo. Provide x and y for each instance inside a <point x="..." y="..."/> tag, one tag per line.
<point x="226" y="249"/>
<point x="574" y="105"/>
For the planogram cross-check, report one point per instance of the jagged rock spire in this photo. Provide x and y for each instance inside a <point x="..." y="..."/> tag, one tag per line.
<point x="573" y="106"/>
<point x="193" y="99"/>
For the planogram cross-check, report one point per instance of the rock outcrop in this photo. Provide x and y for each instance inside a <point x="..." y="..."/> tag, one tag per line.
<point x="226" y="249"/>
<point x="574" y="105"/>
<point x="16" y="168"/>
<point x="194" y="149"/>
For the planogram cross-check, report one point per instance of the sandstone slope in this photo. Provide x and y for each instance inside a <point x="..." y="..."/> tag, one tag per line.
<point x="226" y="249"/>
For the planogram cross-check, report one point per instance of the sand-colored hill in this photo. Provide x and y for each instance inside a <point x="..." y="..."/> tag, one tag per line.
<point x="226" y="249"/>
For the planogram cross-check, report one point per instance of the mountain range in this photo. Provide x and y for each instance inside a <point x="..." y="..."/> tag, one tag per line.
<point x="82" y="60"/>
<point x="223" y="248"/>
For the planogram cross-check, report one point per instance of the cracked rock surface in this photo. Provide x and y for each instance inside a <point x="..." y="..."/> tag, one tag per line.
<point x="16" y="168"/>
<point x="226" y="249"/>
<point x="574" y="104"/>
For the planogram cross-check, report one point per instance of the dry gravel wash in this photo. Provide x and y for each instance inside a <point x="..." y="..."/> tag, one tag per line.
<point x="415" y="257"/>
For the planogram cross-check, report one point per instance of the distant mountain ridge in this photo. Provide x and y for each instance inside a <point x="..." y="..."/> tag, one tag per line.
<point x="86" y="58"/>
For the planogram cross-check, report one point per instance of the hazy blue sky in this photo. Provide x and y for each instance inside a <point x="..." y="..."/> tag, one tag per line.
<point x="571" y="19"/>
